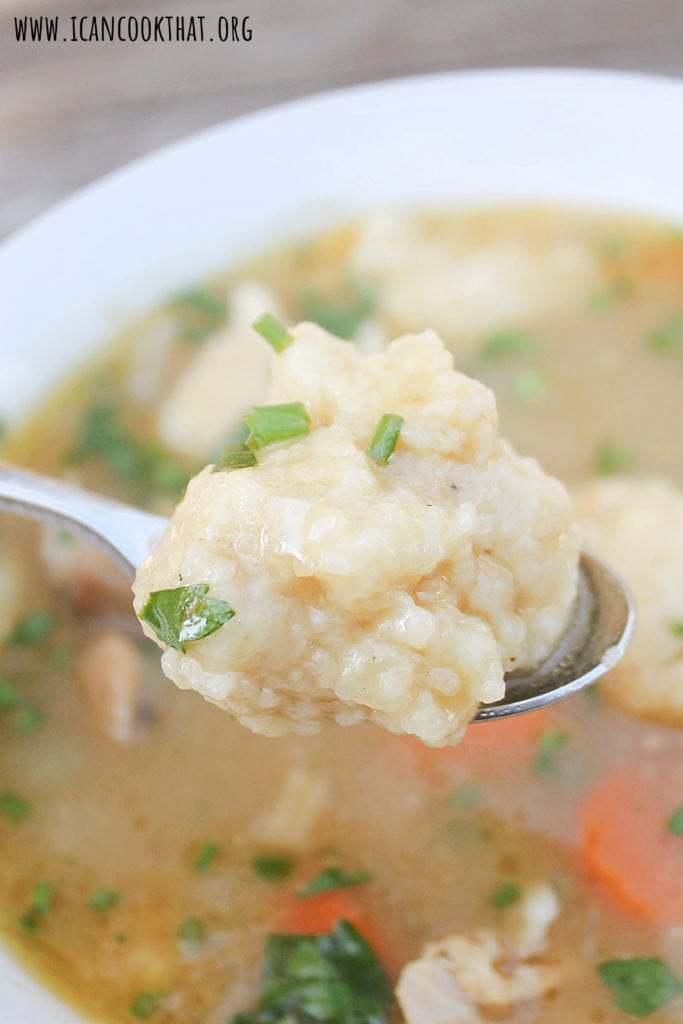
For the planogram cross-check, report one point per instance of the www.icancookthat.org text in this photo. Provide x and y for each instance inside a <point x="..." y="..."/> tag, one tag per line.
<point x="131" y="28"/>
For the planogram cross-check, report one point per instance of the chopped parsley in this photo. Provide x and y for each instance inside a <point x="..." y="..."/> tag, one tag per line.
<point x="385" y="437"/>
<point x="504" y="343"/>
<point x="41" y="902"/>
<point x="326" y="979"/>
<point x="641" y="984"/>
<point x="613" y="458"/>
<point x="675" y="822"/>
<point x="146" y="1004"/>
<point x="505" y="895"/>
<point x="234" y="456"/>
<point x="28" y="719"/>
<point x="334" y="878"/>
<point x="668" y="336"/>
<point x="104" y="899"/>
<point x="269" y="424"/>
<point x="33" y="629"/>
<point x="199" y="313"/>
<point x="344" y="317"/>
<point x="9" y="696"/>
<point x="14" y="807"/>
<point x="272" y="331"/>
<point x="273" y="869"/>
<point x="206" y="857"/>
<point x="184" y="615"/>
<point x="143" y="465"/>
<point x="192" y="931"/>
<point x="548" y="748"/>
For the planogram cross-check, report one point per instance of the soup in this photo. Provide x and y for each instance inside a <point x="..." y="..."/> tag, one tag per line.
<point x="149" y="844"/>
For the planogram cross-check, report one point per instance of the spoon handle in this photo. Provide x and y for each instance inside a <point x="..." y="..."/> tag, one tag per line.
<point x="125" y="534"/>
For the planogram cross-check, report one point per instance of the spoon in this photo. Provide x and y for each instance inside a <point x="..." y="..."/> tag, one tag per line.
<point x="600" y="626"/>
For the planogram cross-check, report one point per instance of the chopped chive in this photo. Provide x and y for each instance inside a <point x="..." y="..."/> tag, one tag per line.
<point x="334" y="878"/>
<point x="34" y="628"/>
<point x="613" y="458"/>
<point x="146" y="1004"/>
<point x="385" y="437"/>
<point x="103" y="899"/>
<point x="206" y="857"/>
<point x="200" y="313"/>
<point x="675" y="822"/>
<point x="668" y="336"/>
<point x="41" y="902"/>
<point x="467" y="795"/>
<point x="9" y="696"/>
<point x="273" y="869"/>
<point x="505" y="895"/>
<point x="184" y="615"/>
<point x="548" y="748"/>
<point x="269" y="424"/>
<point x="608" y="298"/>
<point x="14" y="807"/>
<point x="641" y="985"/>
<point x="341" y="318"/>
<point x="28" y="719"/>
<point x="192" y="931"/>
<point x="234" y="456"/>
<point x="529" y="385"/>
<point x="677" y="628"/>
<point x="503" y="343"/>
<point x="272" y="331"/>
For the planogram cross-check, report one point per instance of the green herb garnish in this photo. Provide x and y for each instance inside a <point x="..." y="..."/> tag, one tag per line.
<point x="269" y="424"/>
<point x="9" y="696"/>
<point x="14" y="807"/>
<point x="28" y="719"/>
<point x="668" y="336"/>
<point x="192" y="931"/>
<point x="334" y="878"/>
<point x="273" y="869"/>
<point x="200" y="313"/>
<point x="326" y="979"/>
<point x="103" y="899"/>
<point x="548" y="748"/>
<point x="385" y="437"/>
<point x="613" y="458"/>
<point x="272" y="331"/>
<point x="42" y="899"/>
<point x="143" y="465"/>
<point x="234" y="456"/>
<point x="341" y="318"/>
<point x="206" y="857"/>
<point x="677" y="628"/>
<point x="641" y="985"/>
<point x="466" y="795"/>
<point x="505" y="895"/>
<point x="61" y="656"/>
<point x="675" y="822"/>
<point x="529" y="385"/>
<point x="504" y="343"/>
<point x="146" y="1004"/>
<point x="32" y="629"/>
<point x="184" y="615"/>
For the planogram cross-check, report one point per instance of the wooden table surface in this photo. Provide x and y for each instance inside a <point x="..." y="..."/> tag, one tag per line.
<point x="72" y="111"/>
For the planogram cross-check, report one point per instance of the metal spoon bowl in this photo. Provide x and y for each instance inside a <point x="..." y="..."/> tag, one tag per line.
<point x="599" y="631"/>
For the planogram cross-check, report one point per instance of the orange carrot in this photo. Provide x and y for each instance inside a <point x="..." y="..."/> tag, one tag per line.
<point x="626" y="844"/>
<point x="319" y="914"/>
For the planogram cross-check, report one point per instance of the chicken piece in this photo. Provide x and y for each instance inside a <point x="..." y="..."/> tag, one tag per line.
<point x="85" y="575"/>
<point x="463" y="290"/>
<point x="636" y="524"/>
<point x="490" y="969"/>
<point x="288" y="825"/>
<point x="111" y="671"/>
<point x="228" y="375"/>
<point x="398" y="593"/>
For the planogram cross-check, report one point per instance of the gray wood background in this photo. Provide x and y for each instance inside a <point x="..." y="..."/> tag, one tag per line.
<point x="71" y="111"/>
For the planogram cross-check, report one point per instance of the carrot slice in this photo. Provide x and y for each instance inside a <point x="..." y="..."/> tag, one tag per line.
<point x="319" y="915"/>
<point x="625" y="842"/>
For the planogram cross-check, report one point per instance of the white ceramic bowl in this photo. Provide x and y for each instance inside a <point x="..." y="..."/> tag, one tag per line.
<point x="97" y="260"/>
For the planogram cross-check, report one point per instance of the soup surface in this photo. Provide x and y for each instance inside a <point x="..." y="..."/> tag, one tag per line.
<point x="149" y="844"/>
